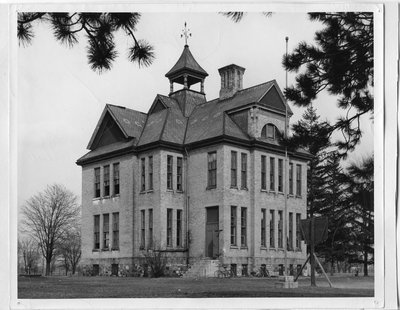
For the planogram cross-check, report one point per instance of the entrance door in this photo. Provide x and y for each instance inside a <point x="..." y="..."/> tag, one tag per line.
<point x="212" y="232"/>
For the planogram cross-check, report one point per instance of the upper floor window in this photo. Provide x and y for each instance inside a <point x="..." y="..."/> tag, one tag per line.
<point x="169" y="172"/>
<point x="179" y="174"/>
<point x="212" y="170"/>
<point x="291" y="179"/>
<point x="116" y="178"/>
<point x="150" y="172"/>
<point x="298" y="180"/>
<point x="269" y="131"/>
<point x="96" y="182"/>
<point x="106" y="180"/>
<point x="272" y="174"/>
<point x="143" y="175"/>
<point x="263" y="172"/>
<point x="280" y="175"/>
<point x="244" y="171"/>
<point x="233" y="169"/>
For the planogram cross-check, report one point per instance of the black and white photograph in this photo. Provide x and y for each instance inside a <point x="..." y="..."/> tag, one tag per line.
<point x="186" y="156"/>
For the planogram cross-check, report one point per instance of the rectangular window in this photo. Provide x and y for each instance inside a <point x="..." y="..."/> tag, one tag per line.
<point x="263" y="227"/>
<point x="280" y="175"/>
<point x="96" y="232"/>
<point x="150" y="172"/>
<point x="142" y="229"/>
<point x="263" y="172"/>
<point x="150" y="228"/>
<point x="291" y="179"/>
<point x="115" y="227"/>
<point x="233" y="169"/>
<point x="106" y="180"/>
<point x="272" y="174"/>
<point x="280" y="230"/>
<point x="290" y="245"/>
<point x="178" y="228"/>
<point x="116" y="178"/>
<point x="272" y="229"/>
<point x="169" y="227"/>
<point x="243" y="226"/>
<point x="179" y="174"/>
<point x="143" y="175"/>
<point x="298" y="232"/>
<point x="212" y="170"/>
<point x="233" y="225"/>
<point x="169" y="171"/>
<point x="96" y="182"/>
<point x="106" y="231"/>
<point x="298" y="180"/>
<point x="244" y="171"/>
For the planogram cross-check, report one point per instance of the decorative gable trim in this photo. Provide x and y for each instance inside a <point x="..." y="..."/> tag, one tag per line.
<point x="100" y="128"/>
<point x="157" y="100"/>
<point x="282" y="97"/>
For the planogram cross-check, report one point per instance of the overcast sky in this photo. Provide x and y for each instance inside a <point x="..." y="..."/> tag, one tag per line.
<point x="60" y="99"/>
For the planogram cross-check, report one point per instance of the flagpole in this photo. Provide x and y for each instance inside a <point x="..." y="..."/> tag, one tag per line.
<point x="286" y="172"/>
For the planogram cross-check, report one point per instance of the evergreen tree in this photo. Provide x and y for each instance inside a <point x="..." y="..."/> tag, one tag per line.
<point x="361" y="199"/>
<point x="313" y="136"/>
<point x="340" y="62"/>
<point x="99" y="29"/>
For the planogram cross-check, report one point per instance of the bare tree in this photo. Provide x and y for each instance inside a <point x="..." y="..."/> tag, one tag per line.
<point x="47" y="215"/>
<point x="70" y="248"/>
<point x="28" y="250"/>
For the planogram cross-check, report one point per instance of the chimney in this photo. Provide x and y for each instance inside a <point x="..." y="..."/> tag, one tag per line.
<point x="231" y="80"/>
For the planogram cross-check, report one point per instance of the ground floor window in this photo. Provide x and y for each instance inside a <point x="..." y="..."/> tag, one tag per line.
<point x="169" y="227"/>
<point x="245" y="270"/>
<point x="114" y="270"/>
<point x="234" y="269"/>
<point x="96" y="270"/>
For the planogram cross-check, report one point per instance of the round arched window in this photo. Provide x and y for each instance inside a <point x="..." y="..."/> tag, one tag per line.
<point x="269" y="131"/>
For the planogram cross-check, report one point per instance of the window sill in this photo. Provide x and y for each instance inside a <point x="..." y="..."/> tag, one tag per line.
<point x="211" y="187"/>
<point x="281" y="193"/>
<point x="179" y="191"/>
<point x="115" y="196"/>
<point x="96" y="198"/>
<point x="263" y="248"/>
<point x="105" y="250"/>
<point x="96" y="250"/>
<point x="116" y="249"/>
<point x="234" y="247"/>
<point x="281" y="249"/>
<point x="244" y="247"/>
<point x="244" y="188"/>
<point x="234" y="187"/>
<point x="297" y="196"/>
<point x="264" y="190"/>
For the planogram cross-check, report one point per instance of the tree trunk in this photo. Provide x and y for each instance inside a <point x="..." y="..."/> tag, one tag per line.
<point x="365" y="262"/>
<point x="48" y="267"/>
<point x="332" y="265"/>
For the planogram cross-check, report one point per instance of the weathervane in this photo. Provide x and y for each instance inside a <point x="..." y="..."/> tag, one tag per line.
<point x="186" y="33"/>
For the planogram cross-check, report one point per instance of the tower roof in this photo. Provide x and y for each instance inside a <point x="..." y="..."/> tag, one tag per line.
<point x="186" y="63"/>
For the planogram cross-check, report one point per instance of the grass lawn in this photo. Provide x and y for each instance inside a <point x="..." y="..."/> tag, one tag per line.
<point x="113" y="287"/>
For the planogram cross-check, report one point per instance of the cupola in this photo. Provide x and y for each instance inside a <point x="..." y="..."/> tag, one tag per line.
<point x="186" y="72"/>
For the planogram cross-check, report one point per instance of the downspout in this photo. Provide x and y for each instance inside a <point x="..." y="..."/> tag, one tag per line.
<point x="186" y="155"/>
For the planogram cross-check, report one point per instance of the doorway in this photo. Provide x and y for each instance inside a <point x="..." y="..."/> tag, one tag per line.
<point x="212" y="232"/>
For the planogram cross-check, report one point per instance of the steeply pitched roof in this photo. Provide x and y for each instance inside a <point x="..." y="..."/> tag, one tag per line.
<point x="131" y="121"/>
<point x="186" y="62"/>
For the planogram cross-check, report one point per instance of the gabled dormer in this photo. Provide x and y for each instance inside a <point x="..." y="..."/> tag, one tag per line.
<point x="263" y="117"/>
<point x="117" y="124"/>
